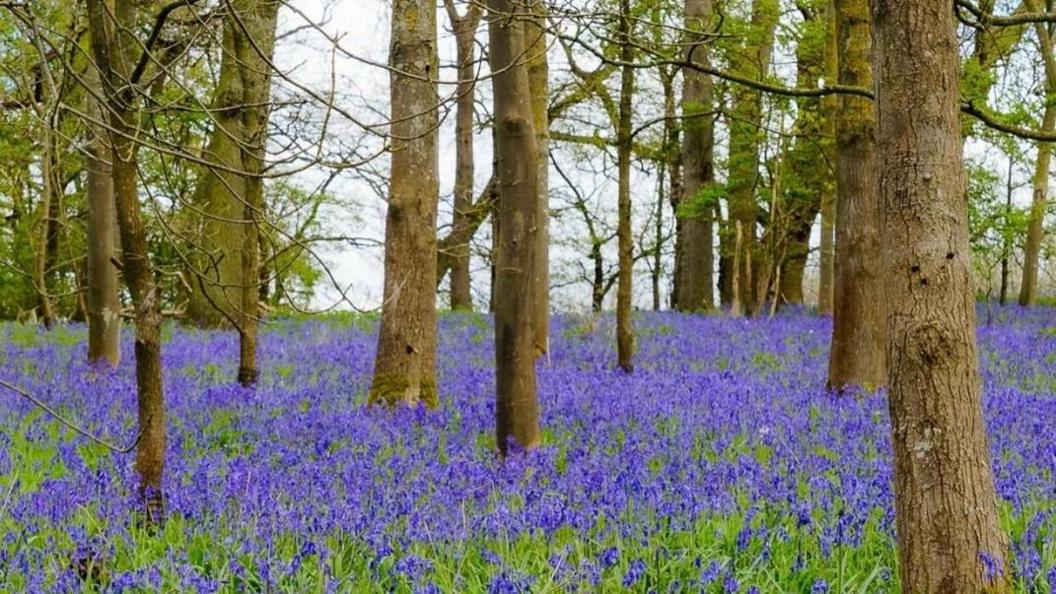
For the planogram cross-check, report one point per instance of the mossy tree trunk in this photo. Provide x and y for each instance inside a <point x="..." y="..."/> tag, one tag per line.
<point x="405" y="364"/>
<point x="807" y="174"/>
<point x="751" y="60"/>
<point x="696" y="260"/>
<point x="230" y="194"/>
<point x="857" y="354"/>
<point x="225" y="279"/>
<point x="256" y="25"/>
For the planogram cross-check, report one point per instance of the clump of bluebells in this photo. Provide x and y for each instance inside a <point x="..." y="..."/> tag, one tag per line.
<point x="719" y="465"/>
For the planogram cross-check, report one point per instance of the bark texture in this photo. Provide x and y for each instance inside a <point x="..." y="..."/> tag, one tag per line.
<point x="1028" y="289"/>
<point x="103" y="303"/>
<point x="539" y="85"/>
<point x="803" y="174"/>
<point x="405" y="365"/>
<point x="115" y="50"/>
<point x="50" y="212"/>
<point x="230" y="194"/>
<point x="745" y="135"/>
<point x="858" y="352"/>
<point x="950" y="539"/>
<point x="465" y="29"/>
<point x="696" y="282"/>
<point x="664" y="192"/>
<point x="827" y="244"/>
<point x="462" y="233"/>
<point x="624" y="239"/>
<point x="515" y="291"/>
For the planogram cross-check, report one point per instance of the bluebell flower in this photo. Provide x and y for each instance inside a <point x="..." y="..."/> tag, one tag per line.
<point x="610" y="557"/>
<point x="634" y="573"/>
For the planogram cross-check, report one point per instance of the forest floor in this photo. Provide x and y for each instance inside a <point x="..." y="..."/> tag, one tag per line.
<point x="719" y="465"/>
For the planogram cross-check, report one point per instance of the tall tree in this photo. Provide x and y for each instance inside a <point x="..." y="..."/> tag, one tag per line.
<point x="465" y="30"/>
<point x="624" y="239"/>
<point x="515" y="292"/>
<point x="950" y="539"/>
<point x="256" y="32"/>
<point x="750" y="59"/>
<point x="118" y="56"/>
<point x="696" y="283"/>
<point x="225" y="275"/>
<point x="1006" y="240"/>
<point x="857" y="354"/>
<point x="673" y="150"/>
<point x="827" y="244"/>
<point x="1028" y="289"/>
<point x="405" y="365"/>
<point x="807" y="176"/>
<point x="668" y="166"/>
<point x="104" y="304"/>
<point x="535" y="27"/>
<point x="50" y="218"/>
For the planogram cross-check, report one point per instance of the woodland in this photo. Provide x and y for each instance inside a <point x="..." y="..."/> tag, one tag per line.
<point x="541" y="296"/>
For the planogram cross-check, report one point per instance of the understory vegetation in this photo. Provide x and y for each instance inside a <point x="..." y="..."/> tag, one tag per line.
<point x="720" y="465"/>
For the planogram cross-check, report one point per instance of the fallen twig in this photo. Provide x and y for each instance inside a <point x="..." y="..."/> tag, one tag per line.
<point x="37" y="402"/>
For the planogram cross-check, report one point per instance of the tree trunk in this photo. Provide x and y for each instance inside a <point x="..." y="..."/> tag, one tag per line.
<point x="257" y="28"/>
<point x="656" y="265"/>
<point x="80" y="282"/>
<point x="465" y="29"/>
<point x="831" y="104"/>
<point x="517" y="408"/>
<point x="1028" y="290"/>
<point x="247" y="335"/>
<point x="673" y="169"/>
<point x="538" y="83"/>
<point x="827" y="253"/>
<point x="597" y="286"/>
<point x="215" y="274"/>
<point x="114" y="49"/>
<point x="675" y="194"/>
<point x="857" y="354"/>
<point x="44" y="259"/>
<point x="624" y="285"/>
<point x="736" y="309"/>
<point x="231" y="190"/>
<point x="1006" y="241"/>
<point x="950" y="539"/>
<point x="405" y="366"/>
<point x="794" y="262"/>
<point x="727" y="239"/>
<point x="745" y="135"/>
<point x="804" y="172"/>
<point x="104" y="304"/>
<point x="697" y="283"/>
<point x="462" y="233"/>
